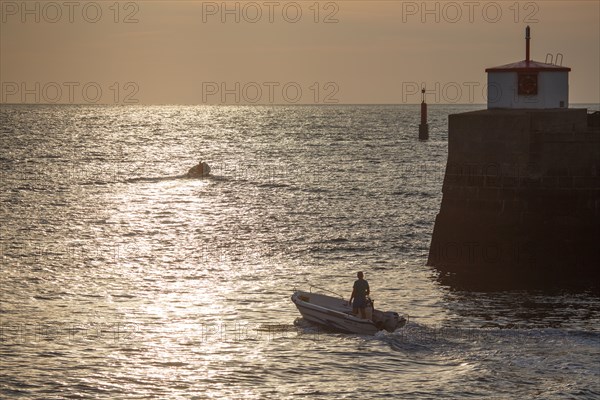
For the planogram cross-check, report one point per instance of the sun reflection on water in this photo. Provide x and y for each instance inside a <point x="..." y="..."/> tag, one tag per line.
<point x="122" y="279"/>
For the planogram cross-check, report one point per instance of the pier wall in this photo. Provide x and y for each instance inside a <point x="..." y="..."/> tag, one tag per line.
<point x="521" y="195"/>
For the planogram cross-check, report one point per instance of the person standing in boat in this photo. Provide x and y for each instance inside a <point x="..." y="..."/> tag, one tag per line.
<point x="360" y="291"/>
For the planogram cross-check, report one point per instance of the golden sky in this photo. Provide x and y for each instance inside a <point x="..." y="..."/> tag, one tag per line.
<point x="284" y="52"/>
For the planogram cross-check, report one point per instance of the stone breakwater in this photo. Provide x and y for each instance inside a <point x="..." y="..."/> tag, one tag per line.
<point x="521" y="196"/>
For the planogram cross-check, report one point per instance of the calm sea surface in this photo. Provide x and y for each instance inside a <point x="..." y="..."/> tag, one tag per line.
<point x="122" y="279"/>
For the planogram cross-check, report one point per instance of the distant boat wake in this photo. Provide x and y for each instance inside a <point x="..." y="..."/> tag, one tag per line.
<point x="199" y="171"/>
<point x="157" y="178"/>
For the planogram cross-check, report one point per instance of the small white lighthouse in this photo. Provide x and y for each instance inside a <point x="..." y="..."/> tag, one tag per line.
<point x="528" y="84"/>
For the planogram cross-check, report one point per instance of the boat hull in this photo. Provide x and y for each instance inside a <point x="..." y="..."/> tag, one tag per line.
<point x="335" y="313"/>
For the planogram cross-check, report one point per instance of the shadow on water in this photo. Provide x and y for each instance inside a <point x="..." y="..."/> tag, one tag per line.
<point x="521" y="300"/>
<point x="507" y="280"/>
<point x="517" y="299"/>
<point x="527" y="310"/>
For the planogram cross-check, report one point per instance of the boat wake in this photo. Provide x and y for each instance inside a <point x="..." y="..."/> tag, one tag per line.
<point x="156" y="178"/>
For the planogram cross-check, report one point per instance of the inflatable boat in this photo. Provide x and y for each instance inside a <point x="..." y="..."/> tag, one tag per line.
<point x="336" y="313"/>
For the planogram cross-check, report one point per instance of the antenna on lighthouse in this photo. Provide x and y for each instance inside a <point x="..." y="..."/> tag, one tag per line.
<point x="527" y="39"/>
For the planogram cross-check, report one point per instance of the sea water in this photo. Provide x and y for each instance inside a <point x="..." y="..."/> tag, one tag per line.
<point x="120" y="278"/>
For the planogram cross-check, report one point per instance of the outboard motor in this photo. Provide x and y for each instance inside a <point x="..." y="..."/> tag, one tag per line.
<point x="369" y="308"/>
<point x="390" y="321"/>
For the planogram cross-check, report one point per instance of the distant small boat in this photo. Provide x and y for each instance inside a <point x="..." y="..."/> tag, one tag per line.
<point x="336" y="313"/>
<point x="200" y="170"/>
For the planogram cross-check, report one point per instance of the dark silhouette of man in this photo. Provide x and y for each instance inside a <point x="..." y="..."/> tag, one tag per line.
<point x="360" y="291"/>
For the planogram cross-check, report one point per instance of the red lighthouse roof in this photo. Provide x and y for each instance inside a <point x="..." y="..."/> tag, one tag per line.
<point x="528" y="65"/>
